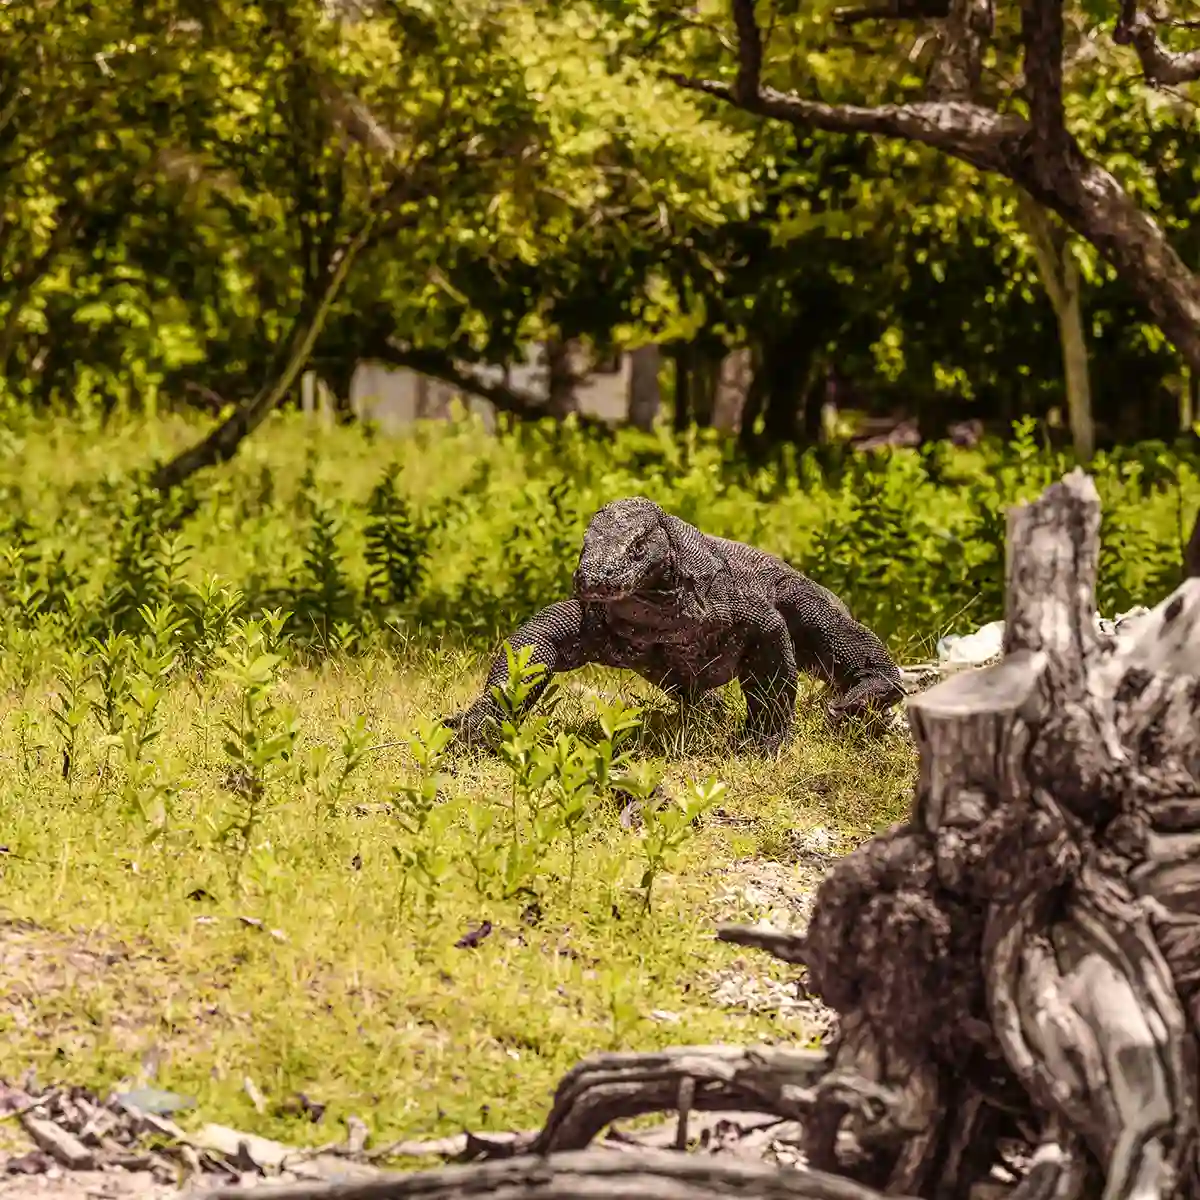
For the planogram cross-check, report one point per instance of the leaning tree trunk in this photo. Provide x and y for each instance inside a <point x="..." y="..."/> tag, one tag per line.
<point x="1017" y="965"/>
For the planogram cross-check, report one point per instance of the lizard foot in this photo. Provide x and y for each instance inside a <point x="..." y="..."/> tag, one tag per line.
<point x="768" y="745"/>
<point x="470" y="735"/>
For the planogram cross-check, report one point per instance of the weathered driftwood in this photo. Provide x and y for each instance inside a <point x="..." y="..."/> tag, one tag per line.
<point x="1018" y="963"/>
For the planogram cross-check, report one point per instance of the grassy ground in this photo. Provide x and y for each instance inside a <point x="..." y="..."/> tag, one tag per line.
<point x="164" y="917"/>
<point x="319" y="973"/>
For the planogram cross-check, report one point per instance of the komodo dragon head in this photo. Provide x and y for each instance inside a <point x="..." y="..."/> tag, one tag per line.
<point x="634" y="551"/>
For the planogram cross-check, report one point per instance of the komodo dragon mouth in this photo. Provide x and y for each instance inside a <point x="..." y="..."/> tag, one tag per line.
<point x="601" y="593"/>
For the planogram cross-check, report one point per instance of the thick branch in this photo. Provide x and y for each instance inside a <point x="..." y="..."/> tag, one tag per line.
<point x="975" y="134"/>
<point x="1162" y="67"/>
<point x="222" y="443"/>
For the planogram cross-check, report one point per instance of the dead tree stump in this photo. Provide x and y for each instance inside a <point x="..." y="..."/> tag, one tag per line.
<point x="1017" y="963"/>
<point x="1022" y="956"/>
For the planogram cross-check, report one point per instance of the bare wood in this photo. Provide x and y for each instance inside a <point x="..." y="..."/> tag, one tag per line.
<point x="610" y="1087"/>
<point x="581" y="1175"/>
<point x="781" y="944"/>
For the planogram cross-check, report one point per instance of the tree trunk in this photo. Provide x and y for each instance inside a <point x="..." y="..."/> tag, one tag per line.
<point x="734" y="378"/>
<point x="222" y="443"/>
<point x="778" y="391"/>
<point x="705" y="372"/>
<point x="1187" y="400"/>
<point x="681" y="404"/>
<point x="1060" y="277"/>
<point x="561" y="378"/>
<point x="695" y="385"/>
<point x="645" y="395"/>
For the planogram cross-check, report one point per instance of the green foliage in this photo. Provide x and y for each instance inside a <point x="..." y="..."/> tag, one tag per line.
<point x="396" y="544"/>
<point x="456" y="537"/>
<point x="260" y="736"/>
<point x="180" y="191"/>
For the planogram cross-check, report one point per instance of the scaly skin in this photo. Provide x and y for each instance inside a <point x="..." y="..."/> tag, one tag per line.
<point x="689" y="612"/>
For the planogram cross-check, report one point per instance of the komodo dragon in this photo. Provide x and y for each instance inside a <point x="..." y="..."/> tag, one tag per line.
<point x="689" y="613"/>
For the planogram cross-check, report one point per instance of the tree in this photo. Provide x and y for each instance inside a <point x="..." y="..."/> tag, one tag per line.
<point x="965" y="101"/>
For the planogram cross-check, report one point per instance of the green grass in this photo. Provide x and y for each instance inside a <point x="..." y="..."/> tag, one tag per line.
<point x="342" y="995"/>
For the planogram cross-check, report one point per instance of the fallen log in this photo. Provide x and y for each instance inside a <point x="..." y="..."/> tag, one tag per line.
<point x="583" y="1175"/>
<point x="1015" y="965"/>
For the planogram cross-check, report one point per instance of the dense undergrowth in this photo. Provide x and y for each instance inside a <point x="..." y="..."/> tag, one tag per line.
<point x="236" y="828"/>
<point x="449" y="533"/>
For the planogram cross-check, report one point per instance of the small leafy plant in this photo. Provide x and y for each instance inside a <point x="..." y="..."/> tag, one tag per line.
<point x="259" y="737"/>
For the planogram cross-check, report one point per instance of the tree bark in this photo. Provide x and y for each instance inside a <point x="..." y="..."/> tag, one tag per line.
<point x="734" y="378"/>
<point x="561" y="378"/>
<point x="1060" y="277"/>
<point x="695" y="386"/>
<point x="582" y="1175"/>
<point x="1035" y="917"/>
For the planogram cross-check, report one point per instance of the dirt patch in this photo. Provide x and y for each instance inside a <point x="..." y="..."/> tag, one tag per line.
<point x="47" y="976"/>
<point x="757" y="891"/>
<point x="57" y="1184"/>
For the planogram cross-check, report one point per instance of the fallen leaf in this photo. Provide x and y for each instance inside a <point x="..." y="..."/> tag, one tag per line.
<point x="662" y="1014"/>
<point x="471" y="939"/>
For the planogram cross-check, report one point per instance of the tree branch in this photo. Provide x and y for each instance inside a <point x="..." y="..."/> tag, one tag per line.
<point x="978" y="135"/>
<point x="222" y="443"/>
<point x="503" y="397"/>
<point x="1040" y="155"/>
<point x="750" y="51"/>
<point x="1161" y="67"/>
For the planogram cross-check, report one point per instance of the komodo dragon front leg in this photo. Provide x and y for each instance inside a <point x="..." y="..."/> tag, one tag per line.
<point x="768" y="675"/>
<point x="560" y="641"/>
